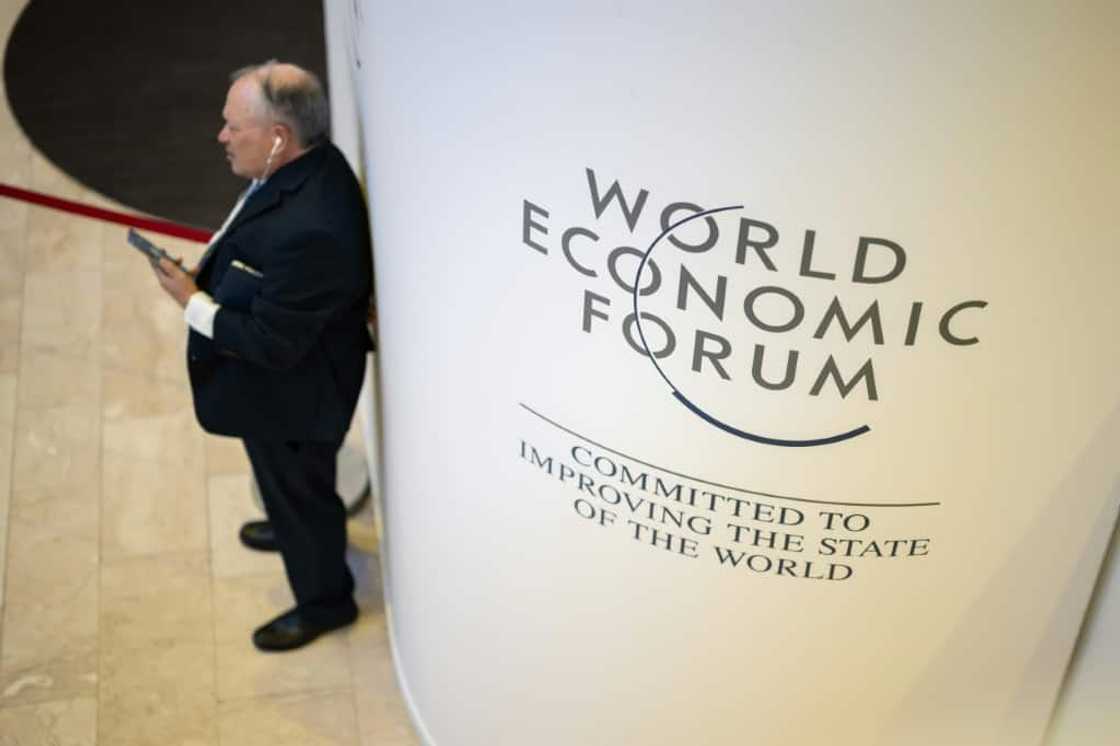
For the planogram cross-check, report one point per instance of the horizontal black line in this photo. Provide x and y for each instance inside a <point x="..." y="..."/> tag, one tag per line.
<point x="557" y="425"/>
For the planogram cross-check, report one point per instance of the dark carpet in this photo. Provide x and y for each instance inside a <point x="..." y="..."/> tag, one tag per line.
<point x="126" y="97"/>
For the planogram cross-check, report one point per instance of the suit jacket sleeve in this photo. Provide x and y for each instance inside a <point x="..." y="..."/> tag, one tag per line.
<point x="304" y="286"/>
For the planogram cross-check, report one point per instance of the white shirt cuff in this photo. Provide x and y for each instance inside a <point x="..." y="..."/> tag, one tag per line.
<point x="200" y="312"/>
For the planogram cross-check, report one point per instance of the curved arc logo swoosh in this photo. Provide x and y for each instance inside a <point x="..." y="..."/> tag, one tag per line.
<point x="684" y="400"/>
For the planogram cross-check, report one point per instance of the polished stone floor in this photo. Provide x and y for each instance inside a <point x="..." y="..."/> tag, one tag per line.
<point x="126" y="602"/>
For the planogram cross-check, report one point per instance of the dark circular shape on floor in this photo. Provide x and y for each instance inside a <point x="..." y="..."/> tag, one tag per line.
<point x="127" y="97"/>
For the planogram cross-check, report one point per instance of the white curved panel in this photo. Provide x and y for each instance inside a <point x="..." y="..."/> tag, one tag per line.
<point x="889" y="537"/>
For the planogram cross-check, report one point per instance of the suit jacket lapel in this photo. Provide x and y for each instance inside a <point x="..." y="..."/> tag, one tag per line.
<point x="262" y="200"/>
<point x="286" y="180"/>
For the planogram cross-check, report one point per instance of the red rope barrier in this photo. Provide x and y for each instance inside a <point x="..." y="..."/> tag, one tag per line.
<point x="152" y="225"/>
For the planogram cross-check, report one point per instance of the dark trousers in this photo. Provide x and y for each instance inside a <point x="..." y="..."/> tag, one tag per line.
<point x="297" y="484"/>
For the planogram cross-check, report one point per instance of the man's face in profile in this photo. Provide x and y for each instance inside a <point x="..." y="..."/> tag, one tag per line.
<point x="246" y="135"/>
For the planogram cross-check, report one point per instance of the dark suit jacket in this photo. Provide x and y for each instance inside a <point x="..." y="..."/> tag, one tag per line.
<point x="287" y="358"/>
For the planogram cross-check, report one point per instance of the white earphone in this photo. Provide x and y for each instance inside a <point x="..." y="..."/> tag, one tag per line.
<point x="276" y="143"/>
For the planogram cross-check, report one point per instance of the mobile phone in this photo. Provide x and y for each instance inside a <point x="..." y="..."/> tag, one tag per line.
<point x="149" y="249"/>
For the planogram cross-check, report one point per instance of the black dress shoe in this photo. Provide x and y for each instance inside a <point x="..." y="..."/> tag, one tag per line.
<point x="290" y="630"/>
<point x="258" y="535"/>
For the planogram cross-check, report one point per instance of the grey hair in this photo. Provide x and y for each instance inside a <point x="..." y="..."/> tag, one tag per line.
<point x="301" y="105"/>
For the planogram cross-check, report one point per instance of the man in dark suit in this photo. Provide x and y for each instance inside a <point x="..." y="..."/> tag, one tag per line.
<point x="278" y="339"/>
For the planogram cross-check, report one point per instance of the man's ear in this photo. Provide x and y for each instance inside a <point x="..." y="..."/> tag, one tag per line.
<point x="281" y="136"/>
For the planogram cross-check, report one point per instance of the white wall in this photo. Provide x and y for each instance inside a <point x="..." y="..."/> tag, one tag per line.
<point x="345" y="124"/>
<point x="952" y="129"/>
<point x="1088" y="712"/>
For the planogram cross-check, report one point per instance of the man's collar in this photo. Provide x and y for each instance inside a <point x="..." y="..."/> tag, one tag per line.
<point x="288" y="178"/>
<point x="292" y="174"/>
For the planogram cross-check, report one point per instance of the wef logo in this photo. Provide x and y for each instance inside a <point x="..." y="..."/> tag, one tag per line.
<point x="714" y="292"/>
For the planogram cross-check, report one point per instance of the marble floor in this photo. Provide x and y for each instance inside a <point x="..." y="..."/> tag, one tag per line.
<point x="126" y="601"/>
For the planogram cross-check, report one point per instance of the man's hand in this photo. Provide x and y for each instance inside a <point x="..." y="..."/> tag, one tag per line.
<point x="176" y="282"/>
